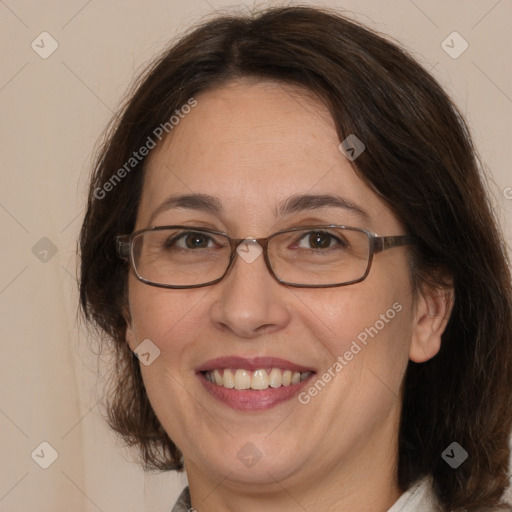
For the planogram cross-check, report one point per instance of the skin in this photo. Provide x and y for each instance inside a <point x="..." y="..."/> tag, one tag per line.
<point x="254" y="144"/>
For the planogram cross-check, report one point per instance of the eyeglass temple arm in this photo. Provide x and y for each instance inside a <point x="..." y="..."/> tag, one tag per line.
<point x="381" y="243"/>
<point x="123" y="247"/>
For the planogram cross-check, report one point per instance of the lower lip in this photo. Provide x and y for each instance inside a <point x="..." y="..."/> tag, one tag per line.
<point x="252" y="399"/>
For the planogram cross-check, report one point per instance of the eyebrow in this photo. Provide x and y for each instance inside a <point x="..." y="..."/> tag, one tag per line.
<point x="293" y="204"/>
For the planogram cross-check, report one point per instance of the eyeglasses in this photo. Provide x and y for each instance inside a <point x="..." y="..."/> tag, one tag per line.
<point x="306" y="256"/>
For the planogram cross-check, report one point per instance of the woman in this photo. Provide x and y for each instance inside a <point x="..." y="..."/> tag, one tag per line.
<point x="267" y="339"/>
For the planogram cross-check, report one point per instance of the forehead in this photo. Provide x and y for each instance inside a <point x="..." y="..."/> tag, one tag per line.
<point x="253" y="145"/>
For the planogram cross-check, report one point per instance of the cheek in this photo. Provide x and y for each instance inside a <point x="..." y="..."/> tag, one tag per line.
<point x="162" y="315"/>
<point x="355" y="309"/>
<point x="365" y="326"/>
<point x="168" y="318"/>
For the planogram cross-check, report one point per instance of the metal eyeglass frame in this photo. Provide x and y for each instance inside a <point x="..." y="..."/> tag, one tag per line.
<point x="124" y="248"/>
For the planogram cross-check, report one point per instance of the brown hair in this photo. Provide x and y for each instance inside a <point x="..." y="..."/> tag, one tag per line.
<point x="419" y="159"/>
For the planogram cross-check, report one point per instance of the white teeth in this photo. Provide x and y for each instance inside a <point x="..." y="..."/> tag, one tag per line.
<point x="275" y="378"/>
<point x="228" y="379"/>
<point x="217" y="377"/>
<point x="259" y="379"/>
<point x="242" y="379"/>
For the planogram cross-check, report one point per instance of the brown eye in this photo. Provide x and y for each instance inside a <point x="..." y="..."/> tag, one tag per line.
<point x="317" y="240"/>
<point x="189" y="240"/>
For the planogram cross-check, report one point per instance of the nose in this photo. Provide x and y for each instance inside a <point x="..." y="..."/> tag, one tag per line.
<point x="250" y="302"/>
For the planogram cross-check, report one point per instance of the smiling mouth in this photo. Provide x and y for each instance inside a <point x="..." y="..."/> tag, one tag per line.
<point x="261" y="379"/>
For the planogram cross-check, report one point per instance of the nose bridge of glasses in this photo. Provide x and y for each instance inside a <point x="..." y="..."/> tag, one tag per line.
<point x="254" y="248"/>
<point x="237" y="242"/>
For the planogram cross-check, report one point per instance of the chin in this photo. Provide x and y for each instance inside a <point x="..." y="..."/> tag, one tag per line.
<point x="252" y="463"/>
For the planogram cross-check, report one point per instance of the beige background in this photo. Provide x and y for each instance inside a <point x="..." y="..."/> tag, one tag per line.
<point x="53" y="111"/>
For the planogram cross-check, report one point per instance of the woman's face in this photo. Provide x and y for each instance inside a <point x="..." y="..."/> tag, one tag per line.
<point x="252" y="147"/>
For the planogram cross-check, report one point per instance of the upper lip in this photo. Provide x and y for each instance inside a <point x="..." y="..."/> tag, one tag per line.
<point x="252" y="364"/>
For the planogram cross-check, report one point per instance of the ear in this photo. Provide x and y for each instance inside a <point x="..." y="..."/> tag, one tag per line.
<point x="130" y="335"/>
<point x="433" y="310"/>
